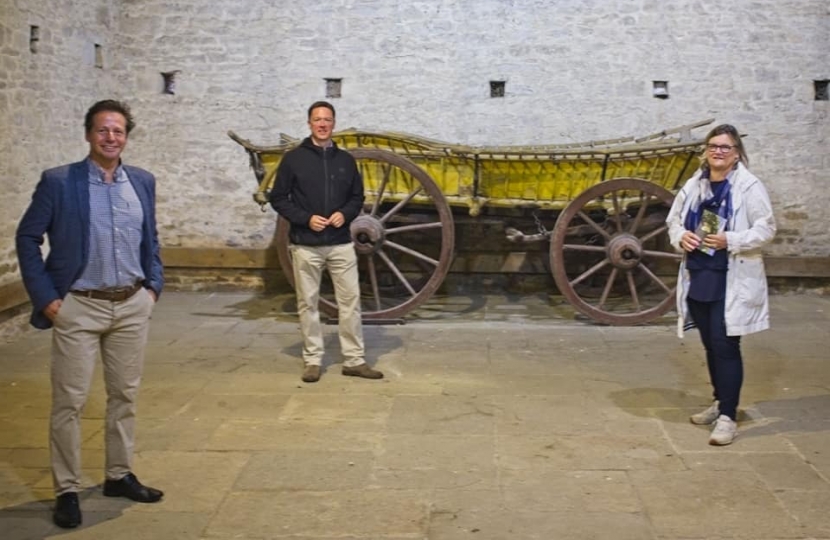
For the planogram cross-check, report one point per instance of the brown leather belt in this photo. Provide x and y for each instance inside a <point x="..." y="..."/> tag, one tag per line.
<point x="114" y="295"/>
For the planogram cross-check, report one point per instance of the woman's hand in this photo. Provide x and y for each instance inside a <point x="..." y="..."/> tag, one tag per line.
<point x="715" y="241"/>
<point x="689" y="241"/>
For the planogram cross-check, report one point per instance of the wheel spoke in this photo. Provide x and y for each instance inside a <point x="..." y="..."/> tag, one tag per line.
<point x="412" y="252"/>
<point x="397" y="272"/>
<point x="387" y="170"/>
<point x="662" y="254"/>
<point x="617" y="219"/>
<point x="633" y="288"/>
<point x="589" y="272"/>
<point x="415" y="227"/>
<point x="582" y="247"/>
<point x="400" y="205"/>
<point x="655" y="279"/>
<point x="607" y="289"/>
<point x="644" y="197"/>
<point x="373" y="279"/>
<point x="593" y="224"/>
<point x="656" y="232"/>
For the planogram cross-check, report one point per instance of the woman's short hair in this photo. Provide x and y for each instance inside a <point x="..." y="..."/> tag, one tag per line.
<point x="732" y="131"/>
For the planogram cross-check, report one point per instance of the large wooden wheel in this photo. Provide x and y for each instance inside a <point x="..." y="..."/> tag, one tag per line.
<point x="610" y="255"/>
<point x="404" y="238"/>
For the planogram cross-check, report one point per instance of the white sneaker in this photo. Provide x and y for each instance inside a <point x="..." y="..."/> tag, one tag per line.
<point x="725" y="431"/>
<point x="704" y="418"/>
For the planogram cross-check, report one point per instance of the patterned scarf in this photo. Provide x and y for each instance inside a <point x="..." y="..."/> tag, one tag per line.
<point x="720" y="203"/>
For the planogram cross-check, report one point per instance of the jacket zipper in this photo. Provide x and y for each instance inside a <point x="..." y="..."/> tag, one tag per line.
<point x="327" y="191"/>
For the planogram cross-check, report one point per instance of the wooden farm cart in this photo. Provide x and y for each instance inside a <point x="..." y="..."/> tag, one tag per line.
<point x="609" y="253"/>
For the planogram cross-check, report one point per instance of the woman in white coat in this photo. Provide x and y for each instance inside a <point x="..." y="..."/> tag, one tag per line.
<point x="720" y="219"/>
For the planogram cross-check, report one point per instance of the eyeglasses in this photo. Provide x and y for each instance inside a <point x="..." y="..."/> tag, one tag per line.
<point x="725" y="148"/>
<point x="104" y="132"/>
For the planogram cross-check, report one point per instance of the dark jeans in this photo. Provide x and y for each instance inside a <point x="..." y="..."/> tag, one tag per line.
<point x="723" y="353"/>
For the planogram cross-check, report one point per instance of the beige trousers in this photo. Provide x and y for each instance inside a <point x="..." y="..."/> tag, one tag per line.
<point x="83" y="328"/>
<point x="341" y="263"/>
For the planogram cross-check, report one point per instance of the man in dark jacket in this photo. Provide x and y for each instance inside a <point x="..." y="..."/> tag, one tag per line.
<point x="319" y="190"/>
<point x="96" y="289"/>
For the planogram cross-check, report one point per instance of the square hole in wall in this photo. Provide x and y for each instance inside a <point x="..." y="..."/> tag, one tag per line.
<point x="34" y="38"/>
<point x="99" y="56"/>
<point x="822" y="90"/>
<point x="334" y="88"/>
<point x="169" y="81"/>
<point x="497" y="88"/>
<point x="660" y="89"/>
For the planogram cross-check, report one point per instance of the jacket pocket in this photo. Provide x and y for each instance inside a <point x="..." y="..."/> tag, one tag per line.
<point x="751" y="281"/>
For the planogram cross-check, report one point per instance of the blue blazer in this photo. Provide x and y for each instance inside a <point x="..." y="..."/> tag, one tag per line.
<point x="60" y="210"/>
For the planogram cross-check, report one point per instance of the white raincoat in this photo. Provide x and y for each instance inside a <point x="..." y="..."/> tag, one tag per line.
<point x="751" y="226"/>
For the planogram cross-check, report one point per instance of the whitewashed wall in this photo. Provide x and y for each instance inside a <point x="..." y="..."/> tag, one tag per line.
<point x="43" y="97"/>
<point x="575" y="70"/>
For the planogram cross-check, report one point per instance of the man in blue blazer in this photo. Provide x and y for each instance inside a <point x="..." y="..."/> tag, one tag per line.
<point x="96" y="289"/>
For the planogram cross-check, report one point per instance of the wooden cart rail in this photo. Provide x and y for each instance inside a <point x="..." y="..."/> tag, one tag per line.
<point x="543" y="176"/>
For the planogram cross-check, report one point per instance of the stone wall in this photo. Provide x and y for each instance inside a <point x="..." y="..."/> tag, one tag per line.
<point x="574" y="70"/>
<point x="44" y="95"/>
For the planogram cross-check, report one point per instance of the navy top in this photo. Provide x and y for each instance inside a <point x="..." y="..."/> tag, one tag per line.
<point x="708" y="272"/>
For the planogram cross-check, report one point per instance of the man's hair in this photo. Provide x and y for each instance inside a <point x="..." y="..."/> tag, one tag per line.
<point x="109" y="105"/>
<point x="318" y="104"/>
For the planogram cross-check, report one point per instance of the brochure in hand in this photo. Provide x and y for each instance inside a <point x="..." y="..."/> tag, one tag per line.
<point x="710" y="223"/>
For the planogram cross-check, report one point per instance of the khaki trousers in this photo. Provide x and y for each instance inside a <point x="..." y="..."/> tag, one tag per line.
<point x="341" y="263"/>
<point x="83" y="328"/>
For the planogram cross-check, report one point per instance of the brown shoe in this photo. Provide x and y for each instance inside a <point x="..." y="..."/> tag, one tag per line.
<point x="362" y="370"/>
<point x="311" y="373"/>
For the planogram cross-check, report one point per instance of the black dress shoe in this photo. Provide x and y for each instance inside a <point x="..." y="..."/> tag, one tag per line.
<point x="67" y="513"/>
<point x="130" y="487"/>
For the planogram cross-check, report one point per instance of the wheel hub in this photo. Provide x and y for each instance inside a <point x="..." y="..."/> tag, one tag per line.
<point x="367" y="234"/>
<point x="625" y="251"/>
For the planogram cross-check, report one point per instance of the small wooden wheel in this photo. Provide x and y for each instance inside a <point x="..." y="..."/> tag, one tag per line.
<point x="610" y="255"/>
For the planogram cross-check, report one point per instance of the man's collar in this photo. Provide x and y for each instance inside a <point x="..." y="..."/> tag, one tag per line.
<point x="98" y="172"/>
<point x="328" y="143"/>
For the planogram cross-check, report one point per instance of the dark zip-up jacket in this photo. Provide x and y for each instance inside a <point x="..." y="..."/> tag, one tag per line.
<point x="313" y="180"/>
